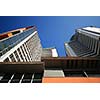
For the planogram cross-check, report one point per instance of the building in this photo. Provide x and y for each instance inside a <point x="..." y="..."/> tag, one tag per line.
<point x="49" y="52"/>
<point x="23" y="45"/>
<point x="52" y="70"/>
<point x="84" y="43"/>
<point x="23" y="60"/>
<point x="71" y="70"/>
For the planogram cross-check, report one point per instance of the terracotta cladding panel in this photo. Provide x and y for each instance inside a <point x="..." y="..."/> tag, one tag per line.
<point x="71" y="80"/>
<point x="9" y="34"/>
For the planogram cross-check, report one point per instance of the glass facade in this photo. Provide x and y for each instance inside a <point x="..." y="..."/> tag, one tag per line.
<point x="7" y="44"/>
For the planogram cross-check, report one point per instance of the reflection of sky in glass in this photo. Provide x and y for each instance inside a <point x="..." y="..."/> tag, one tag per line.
<point x="53" y="31"/>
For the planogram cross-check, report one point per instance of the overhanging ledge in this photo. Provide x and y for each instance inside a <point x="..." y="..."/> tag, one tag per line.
<point x="22" y="67"/>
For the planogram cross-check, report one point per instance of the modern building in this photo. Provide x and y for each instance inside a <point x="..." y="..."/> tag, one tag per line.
<point x="52" y="70"/>
<point x="84" y="43"/>
<point x="23" y="45"/>
<point x="71" y="70"/>
<point x="23" y="60"/>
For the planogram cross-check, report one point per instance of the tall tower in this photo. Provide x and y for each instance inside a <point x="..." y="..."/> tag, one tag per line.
<point x="23" y="45"/>
<point x="20" y="45"/>
<point x="85" y="43"/>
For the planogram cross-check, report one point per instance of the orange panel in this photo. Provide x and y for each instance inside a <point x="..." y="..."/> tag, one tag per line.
<point x="71" y="80"/>
<point x="9" y="34"/>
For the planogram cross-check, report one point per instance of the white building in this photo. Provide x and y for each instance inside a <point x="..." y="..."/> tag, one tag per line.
<point x="49" y="52"/>
<point x="85" y="43"/>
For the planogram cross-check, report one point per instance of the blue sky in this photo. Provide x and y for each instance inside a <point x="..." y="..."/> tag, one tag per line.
<point x="53" y="30"/>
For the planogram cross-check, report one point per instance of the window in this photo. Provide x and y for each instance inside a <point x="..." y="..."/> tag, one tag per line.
<point x="12" y="58"/>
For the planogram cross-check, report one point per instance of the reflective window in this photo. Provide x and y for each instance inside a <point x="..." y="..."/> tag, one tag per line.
<point x="12" y="41"/>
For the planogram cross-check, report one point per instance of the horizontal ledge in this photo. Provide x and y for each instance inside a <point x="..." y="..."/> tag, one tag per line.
<point x="71" y="80"/>
<point x="21" y="67"/>
<point x="69" y="58"/>
<point x="35" y="62"/>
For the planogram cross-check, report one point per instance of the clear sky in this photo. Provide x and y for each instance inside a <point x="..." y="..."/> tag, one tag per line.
<point x="53" y="30"/>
